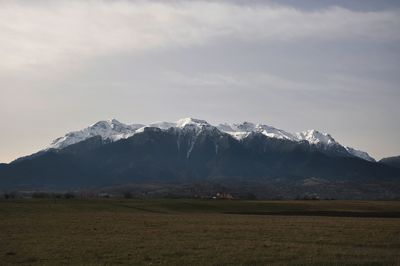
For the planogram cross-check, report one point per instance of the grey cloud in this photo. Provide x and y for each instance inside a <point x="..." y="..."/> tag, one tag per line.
<point x="62" y="31"/>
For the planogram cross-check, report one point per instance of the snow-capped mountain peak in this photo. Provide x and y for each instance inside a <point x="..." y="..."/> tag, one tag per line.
<point x="191" y="122"/>
<point x="161" y="125"/>
<point x="274" y="132"/>
<point x="315" y="137"/>
<point x="188" y="122"/>
<point x="244" y="127"/>
<point x="110" y="129"/>
<point x="240" y="131"/>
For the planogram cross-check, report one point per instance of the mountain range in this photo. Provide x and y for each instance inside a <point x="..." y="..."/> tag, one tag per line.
<point x="191" y="157"/>
<point x="113" y="130"/>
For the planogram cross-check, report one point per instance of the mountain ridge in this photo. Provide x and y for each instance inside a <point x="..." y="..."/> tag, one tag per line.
<point x="114" y="130"/>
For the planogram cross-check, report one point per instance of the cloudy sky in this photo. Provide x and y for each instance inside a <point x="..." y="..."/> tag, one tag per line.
<point x="295" y="65"/>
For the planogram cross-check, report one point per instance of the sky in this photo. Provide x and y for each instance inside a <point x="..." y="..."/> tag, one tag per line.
<point x="333" y="66"/>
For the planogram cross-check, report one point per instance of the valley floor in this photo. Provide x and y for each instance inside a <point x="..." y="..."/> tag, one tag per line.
<point x="198" y="232"/>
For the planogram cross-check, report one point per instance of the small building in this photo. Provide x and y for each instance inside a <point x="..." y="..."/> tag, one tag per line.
<point x="223" y="195"/>
<point x="103" y="195"/>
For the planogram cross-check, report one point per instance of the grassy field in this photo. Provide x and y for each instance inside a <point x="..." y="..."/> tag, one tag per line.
<point x="199" y="232"/>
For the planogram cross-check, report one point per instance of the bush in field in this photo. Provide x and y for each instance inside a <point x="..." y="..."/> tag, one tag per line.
<point x="46" y="195"/>
<point x="128" y="195"/>
<point x="41" y="195"/>
<point x="69" y="195"/>
<point x="251" y="196"/>
<point x="10" y="195"/>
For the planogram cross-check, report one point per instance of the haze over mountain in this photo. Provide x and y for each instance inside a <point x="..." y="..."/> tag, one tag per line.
<point x="242" y="158"/>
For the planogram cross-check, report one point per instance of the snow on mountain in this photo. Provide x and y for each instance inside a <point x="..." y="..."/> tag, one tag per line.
<point x="360" y="154"/>
<point x="315" y="137"/>
<point x="185" y="125"/>
<point x="110" y="129"/>
<point x="240" y="131"/>
<point x="188" y="123"/>
<point x="162" y="125"/>
<point x="192" y="123"/>
<point x="114" y="130"/>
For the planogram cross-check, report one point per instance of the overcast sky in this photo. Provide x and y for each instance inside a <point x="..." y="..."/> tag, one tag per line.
<point x="329" y="65"/>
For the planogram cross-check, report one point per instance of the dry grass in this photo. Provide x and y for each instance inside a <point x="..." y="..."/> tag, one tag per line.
<point x="187" y="232"/>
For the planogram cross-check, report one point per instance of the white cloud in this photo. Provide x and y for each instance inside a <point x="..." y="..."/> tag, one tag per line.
<point x="53" y="32"/>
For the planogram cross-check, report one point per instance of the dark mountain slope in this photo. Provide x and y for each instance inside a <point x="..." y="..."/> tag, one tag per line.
<point x="392" y="161"/>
